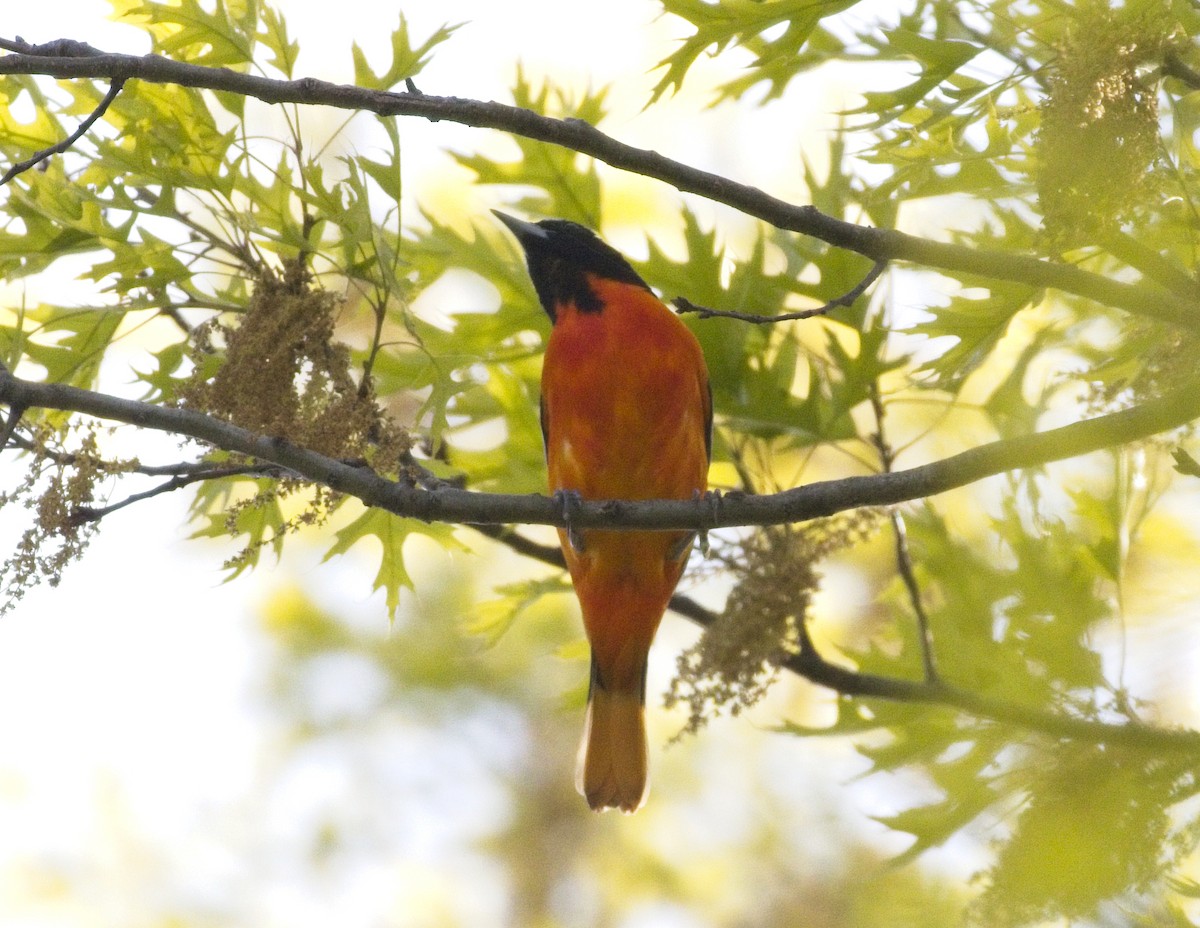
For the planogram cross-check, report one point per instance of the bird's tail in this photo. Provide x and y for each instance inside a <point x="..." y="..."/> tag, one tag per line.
<point x="612" y="758"/>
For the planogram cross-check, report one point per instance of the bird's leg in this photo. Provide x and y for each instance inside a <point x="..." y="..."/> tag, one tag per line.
<point x="714" y="499"/>
<point x="569" y="502"/>
<point x="679" y="550"/>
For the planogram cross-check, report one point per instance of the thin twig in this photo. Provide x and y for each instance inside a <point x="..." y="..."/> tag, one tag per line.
<point x="15" y="411"/>
<point x="1149" y="263"/>
<point x="1176" y="67"/>
<point x="10" y="426"/>
<point x="173" y="313"/>
<point x="514" y="540"/>
<point x="1022" y="63"/>
<point x="83" y="514"/>
<point x="846" y="299"/>
<point x="20" y="167"/>
<point x="904" y="562"/>
<point x="905" y="565"/>
<point x="181" y="469"/>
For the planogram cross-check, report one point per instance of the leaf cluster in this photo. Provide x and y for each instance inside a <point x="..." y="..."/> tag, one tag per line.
<point x="199" y="239"/>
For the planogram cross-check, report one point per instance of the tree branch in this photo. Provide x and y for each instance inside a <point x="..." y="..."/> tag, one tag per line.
<point x="1150" y="264"/>
<point x="1173" y="303"/>
<point x="880" y="245"/>
<point x="447" y="504"/>
<point x="22" y="166"/>
<point x="15" y="411"/>
<point x="933" y="691"/>
<point x="1176" y="67"/>
<point x="82" y="514"/>
<point x="813" y="667"/>
<point x="904" y="564"/>
<point x="846" y="299"/>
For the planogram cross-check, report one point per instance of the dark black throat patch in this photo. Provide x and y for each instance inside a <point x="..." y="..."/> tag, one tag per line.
<point x="562" y="259"/>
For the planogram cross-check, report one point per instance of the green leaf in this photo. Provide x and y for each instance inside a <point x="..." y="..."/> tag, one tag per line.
<point x="164" y="380"/>
<point x="273" y="35"/>
<point x="1100" y="818"/>
<point x="492" y="618"/>
<point x="387" y="175"/>
<point x="260" y="521"/>
<point x="724" y="23"/>
<point x="391" y="532"/>
<point x="407" y="61"/>
<point x="569" y="183"/>
<point x="1185" y="463"/>
<point x="938" y="59"/>
<point x="70" y="343"/>
<point x="184" y="29"/>
<point x="17" y="138"/>
<point x="977" y="323"/>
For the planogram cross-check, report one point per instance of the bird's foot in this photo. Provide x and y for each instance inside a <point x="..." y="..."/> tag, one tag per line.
<point x="714" y="499"/>
<point x="569" y="502"/>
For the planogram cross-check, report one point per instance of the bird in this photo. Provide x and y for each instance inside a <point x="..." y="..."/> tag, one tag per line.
<point x="626" y="413"/>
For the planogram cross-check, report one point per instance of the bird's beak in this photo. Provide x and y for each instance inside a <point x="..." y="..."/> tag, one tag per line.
<point x="524" y="231"/>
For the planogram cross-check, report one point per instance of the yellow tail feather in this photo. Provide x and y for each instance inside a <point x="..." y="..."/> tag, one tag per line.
<point x="612" y="758"/>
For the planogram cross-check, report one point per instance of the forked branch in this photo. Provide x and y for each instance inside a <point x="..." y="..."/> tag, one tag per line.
<point x="846" y="299"/>
<point x="37" y="157"/>
<point x="932" y="691"/>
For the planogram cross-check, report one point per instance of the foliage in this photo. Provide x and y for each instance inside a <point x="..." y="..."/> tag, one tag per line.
<point x="279" y="287"/>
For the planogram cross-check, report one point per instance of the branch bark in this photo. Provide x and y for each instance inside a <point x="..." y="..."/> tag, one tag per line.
<point x="58" y="148"/>
<point x="447" y="504"/>
<point x="881" y="245"/>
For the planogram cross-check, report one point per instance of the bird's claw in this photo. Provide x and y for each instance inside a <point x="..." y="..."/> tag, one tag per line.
<point x="714" y="499"/>
<point x="679" y="549"/>
<point x="569" y="502"/>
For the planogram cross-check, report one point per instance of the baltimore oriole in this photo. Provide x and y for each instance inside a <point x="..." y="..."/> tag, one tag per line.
<point x="626" y="414"/>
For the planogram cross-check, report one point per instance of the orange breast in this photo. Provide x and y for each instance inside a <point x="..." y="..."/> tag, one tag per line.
<point x="626" y="400"/>
<point x="625" y="396"/>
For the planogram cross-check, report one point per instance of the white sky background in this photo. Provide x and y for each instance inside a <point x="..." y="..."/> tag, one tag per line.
<point x="131" y="735"/>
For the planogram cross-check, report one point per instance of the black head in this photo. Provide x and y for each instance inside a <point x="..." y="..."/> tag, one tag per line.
<point x="560" y="255"/>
